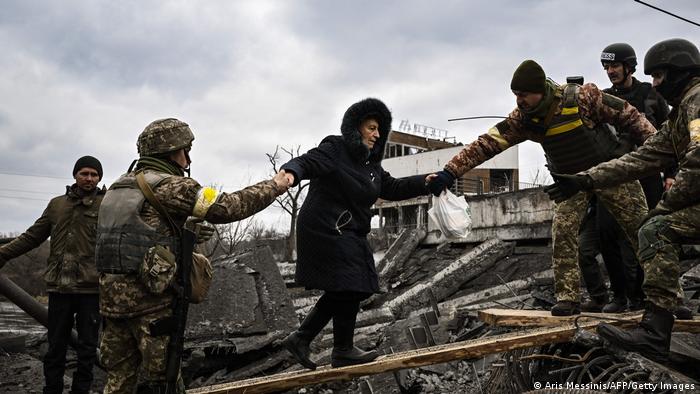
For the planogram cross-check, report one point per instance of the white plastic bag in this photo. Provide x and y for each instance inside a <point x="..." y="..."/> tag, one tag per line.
<point x="451" y="214"/>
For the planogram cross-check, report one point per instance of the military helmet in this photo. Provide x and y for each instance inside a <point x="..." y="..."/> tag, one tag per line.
<point x="163" y="136"/>
<point x="619" y="52"/>
<point x="675" y="53"/>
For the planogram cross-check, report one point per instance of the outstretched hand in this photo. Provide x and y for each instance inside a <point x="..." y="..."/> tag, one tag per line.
<point x="439" y="181"/>
<point x="565" y="186"/>
<point x="283" y="180"/>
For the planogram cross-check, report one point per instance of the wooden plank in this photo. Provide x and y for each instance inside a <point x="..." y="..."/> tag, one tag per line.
<point x="410" y="359"/>
<point x="531" y="318"/>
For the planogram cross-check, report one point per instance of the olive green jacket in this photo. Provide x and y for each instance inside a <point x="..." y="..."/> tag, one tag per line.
<point x="71" y="223"/>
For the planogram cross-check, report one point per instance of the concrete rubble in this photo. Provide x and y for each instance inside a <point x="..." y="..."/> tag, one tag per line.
<point x="432" y="291"/>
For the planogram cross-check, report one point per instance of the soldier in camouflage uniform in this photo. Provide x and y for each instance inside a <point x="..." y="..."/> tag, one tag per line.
<point x="133" y="232"/>
<point x="675" y="68"/>
<point x="568" y="121"/>
<point x="601" y="233"/>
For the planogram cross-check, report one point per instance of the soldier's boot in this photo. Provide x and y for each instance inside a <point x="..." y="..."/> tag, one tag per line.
<point x="651" y="338"/>
<point x="298" y="342"/>
<point x="566" y="308"/>
<point x="682" y="312"/>
<point x="152" y="388"/>
<point x="617" y="305"/>
<point x="344" y="351"/>
<point x="595" y="304"/>
<point x="636" y="304"/>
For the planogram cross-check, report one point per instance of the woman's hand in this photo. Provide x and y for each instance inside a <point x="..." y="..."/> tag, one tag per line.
<point x="430" y="177"/>
<point x="283" y="180"/>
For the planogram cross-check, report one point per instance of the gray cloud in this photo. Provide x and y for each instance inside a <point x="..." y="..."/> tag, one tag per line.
<point x="86" y="77"/>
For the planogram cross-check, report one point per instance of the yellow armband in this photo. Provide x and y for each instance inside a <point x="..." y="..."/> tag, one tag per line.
<point x="206" y="197"/>
<point x="694" y="129"/>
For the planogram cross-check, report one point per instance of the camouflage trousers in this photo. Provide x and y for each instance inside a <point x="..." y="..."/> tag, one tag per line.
<point x="625" y="202"/>
<point x="660" y="241"/>
<point x="127" y="347"/>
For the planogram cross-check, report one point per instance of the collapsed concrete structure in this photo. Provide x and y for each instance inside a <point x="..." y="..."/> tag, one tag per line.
<point x="433" y="291"/>
<point x="435" y="287"/>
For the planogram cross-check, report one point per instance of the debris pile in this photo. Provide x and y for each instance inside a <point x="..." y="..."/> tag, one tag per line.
<point x="432" y="293"/>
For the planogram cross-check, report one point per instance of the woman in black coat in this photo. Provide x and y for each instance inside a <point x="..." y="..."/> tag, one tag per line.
<point x="333" y="253"/>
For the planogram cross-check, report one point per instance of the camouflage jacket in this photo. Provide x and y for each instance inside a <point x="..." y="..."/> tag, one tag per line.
<point x="70" y="220"/>
<point x="678" y="141"/>
<point x="594" y="107"/>
<point x="123" y="296"/>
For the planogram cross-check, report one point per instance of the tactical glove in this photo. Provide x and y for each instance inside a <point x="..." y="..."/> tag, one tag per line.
<point x="652" y="213"/>
<point x="565" y="186"/>
<point x="443" y="180"/>
<point x="204" y="232"/>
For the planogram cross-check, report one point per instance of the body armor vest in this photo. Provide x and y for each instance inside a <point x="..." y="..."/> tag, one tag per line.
<point x="637" y="97"/>
<point x="569" y="145"/>
<point x="123" y="238"/>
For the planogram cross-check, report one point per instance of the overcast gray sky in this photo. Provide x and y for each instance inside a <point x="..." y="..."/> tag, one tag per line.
<point x="85" y="77"/>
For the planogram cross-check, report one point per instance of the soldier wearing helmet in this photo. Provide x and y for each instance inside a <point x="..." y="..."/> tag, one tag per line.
<point x="137" y="245"/>
<point x="601" y="232"/>
<point x="674" y="65"/>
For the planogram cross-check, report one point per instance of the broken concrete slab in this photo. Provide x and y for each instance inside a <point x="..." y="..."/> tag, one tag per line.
<point x="217" y="318"/>
<point x="448" y="281"/>
<point x="399" y="251"/>
<point x="304" y="302"/>
<point x="692" y="274"/>
<point x="275" y="302"/>
<point x="501" y="291"/>
<point x="363" y="336"/>
<point x="369" y="318"/>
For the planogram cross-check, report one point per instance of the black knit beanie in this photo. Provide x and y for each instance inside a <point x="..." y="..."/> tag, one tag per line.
<point x="88" y="161"/>
<point x="528" y="77"/>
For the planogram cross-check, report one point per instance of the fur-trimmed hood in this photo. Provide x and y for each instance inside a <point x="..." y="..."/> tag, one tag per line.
<point x="350" y="128"/>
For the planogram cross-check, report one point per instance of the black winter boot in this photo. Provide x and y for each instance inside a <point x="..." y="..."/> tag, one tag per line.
<point x="595" y="304"/>
<point x="298" y="342"/>
<point x="344" y="352"/>
<point x="566" y="308"/>
<point x="618" y="305"/>
<point x="651" y="338"/>
<point x="682" y="312"/>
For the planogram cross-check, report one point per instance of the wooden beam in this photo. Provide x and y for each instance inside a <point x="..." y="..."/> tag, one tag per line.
<point x="410" y="359"/>
<point x="530" y="318"/>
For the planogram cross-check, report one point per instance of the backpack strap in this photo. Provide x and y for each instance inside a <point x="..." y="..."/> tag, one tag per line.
<point x="151" y="197"/>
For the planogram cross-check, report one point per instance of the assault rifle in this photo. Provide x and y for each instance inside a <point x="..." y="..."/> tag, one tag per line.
<point x="175" y="324"/>
<point x="181" y="305"/>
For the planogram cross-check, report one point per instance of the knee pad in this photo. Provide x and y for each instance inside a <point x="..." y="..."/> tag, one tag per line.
<point x="654" y="235"/>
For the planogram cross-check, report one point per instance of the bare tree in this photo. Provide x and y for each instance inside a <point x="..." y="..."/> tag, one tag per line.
<point x="290" y="201"/>
<point x="228" y="237"/>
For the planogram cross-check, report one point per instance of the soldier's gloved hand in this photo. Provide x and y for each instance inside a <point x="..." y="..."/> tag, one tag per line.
<point x="443" y="180"/>
<point x="204" y="232"/>
<point x="659" y="210"/>
<point x="565" y="186"/>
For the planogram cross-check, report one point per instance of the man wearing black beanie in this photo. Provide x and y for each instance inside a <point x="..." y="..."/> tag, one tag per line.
<point x="569" y="121"/>
<point x="71" y="277"/>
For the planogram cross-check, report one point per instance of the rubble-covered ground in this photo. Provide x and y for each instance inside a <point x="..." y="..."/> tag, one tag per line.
<point x="432" y="294"/>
